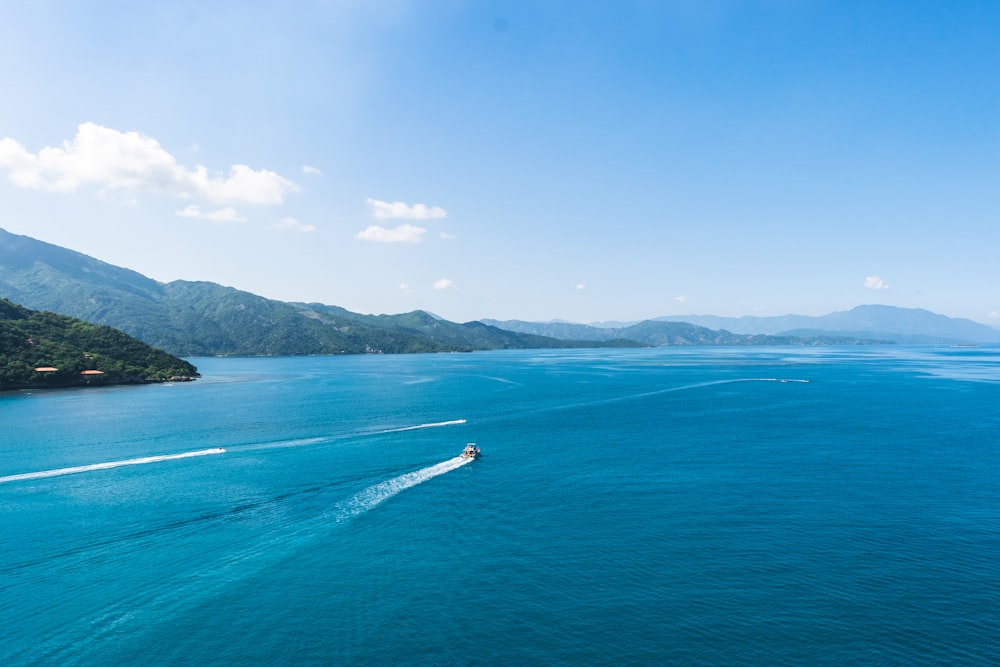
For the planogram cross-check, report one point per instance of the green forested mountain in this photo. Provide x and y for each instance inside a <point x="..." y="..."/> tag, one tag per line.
<point x="42" y="349"/>
<point x="204" y="319"/>
<point x="208" y="319"/>
<point x="470" y="335"/>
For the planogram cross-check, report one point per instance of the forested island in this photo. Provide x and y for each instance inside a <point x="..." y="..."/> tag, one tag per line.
<point x="40" y="349"/>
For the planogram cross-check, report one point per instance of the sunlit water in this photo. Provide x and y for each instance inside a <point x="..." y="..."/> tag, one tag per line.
<point x="778" y="506"/>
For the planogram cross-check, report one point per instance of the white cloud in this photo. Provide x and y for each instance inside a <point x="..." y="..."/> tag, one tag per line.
<point x="106" y="158"/>
<point x="580" y="286"/>
<point x="294" y="225"/>
<point x="681" y="299"/>
<point x="227" y="214"/>
<point x="402" y="234"/>
<point x="995" y="315"/>
<point x="875" y="283"/>
<point x="444" y="283"/>
<point x="446" y="236"/>
<point x="306" y="169"/>
<point x="406" y="288"/>
<point x="384" y="210"/>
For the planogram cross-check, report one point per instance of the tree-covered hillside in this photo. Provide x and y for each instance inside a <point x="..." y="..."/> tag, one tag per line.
<point x="466" y="336"/>
<point x="42" y="349"/>
<point x="193" y="318"/>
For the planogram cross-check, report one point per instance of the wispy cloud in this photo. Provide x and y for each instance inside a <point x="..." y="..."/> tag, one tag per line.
<point x="406" y="288"/>
<point x="580" y="286"/>
<point x="227" y="214"/>
<point x="103" y="157"/>
<point x="876" y="283"/>
<point x="444" y="284"/>
<point x="406" y="233"/>
<point x="995" y="315"/>
<point x="312" y="171"/>
<point x="681" y="299"/>
<point x="384" y="210"/>
<point x="291" y="224"/>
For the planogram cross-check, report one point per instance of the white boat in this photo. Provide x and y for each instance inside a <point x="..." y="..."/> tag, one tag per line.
<point x="470" y="451"/>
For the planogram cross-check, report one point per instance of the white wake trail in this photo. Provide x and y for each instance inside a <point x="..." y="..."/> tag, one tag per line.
<point x="323" y="439"/>
<point x="419" y="426"/>
<point x="378" y="493"/>
<point x="109" y="464"/>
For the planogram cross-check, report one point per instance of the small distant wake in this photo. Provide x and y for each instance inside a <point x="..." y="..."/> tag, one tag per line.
<point x="670" y="390"/>
<point x="365" y="500"/>
<point x="109" y="464"/>
<point x="699" y="385"/>
<point x="776" y="380"/>
<point x="729" y="381"/>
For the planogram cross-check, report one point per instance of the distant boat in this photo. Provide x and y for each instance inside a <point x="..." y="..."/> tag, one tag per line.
<point x="470" y="451"/>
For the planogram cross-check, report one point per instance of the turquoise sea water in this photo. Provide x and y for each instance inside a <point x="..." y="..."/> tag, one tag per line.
<point x="696" y="506"/>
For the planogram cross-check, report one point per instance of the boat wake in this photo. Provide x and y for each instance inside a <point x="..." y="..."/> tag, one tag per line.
<point x="376" y="494"/>
<point x="109" y="464"/>
<point x="281" y="444"/>
<point x="713" y="383"/>
<point x="670" y="390"/>
<point x="215" y="450"/>
<point x="419" y="426"/>
<point x="137" y="607"/>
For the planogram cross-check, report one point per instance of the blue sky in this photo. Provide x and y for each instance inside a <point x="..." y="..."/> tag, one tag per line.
<point x="587" y="161"/>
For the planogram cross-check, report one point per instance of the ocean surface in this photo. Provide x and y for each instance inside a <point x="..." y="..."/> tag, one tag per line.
<point x="687" y="506"/>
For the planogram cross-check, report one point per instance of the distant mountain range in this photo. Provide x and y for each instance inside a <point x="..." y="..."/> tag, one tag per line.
<point x="903" y="325"/>
<point x="205" y="319"/>
<point x="910" y="326"/>
<point x="663" y="333"/>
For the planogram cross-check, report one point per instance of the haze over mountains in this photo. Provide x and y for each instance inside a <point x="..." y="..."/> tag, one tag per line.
<point x="903" y="325"/>
<point x="908" y="326"/>
<point x="201" y="318"/>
